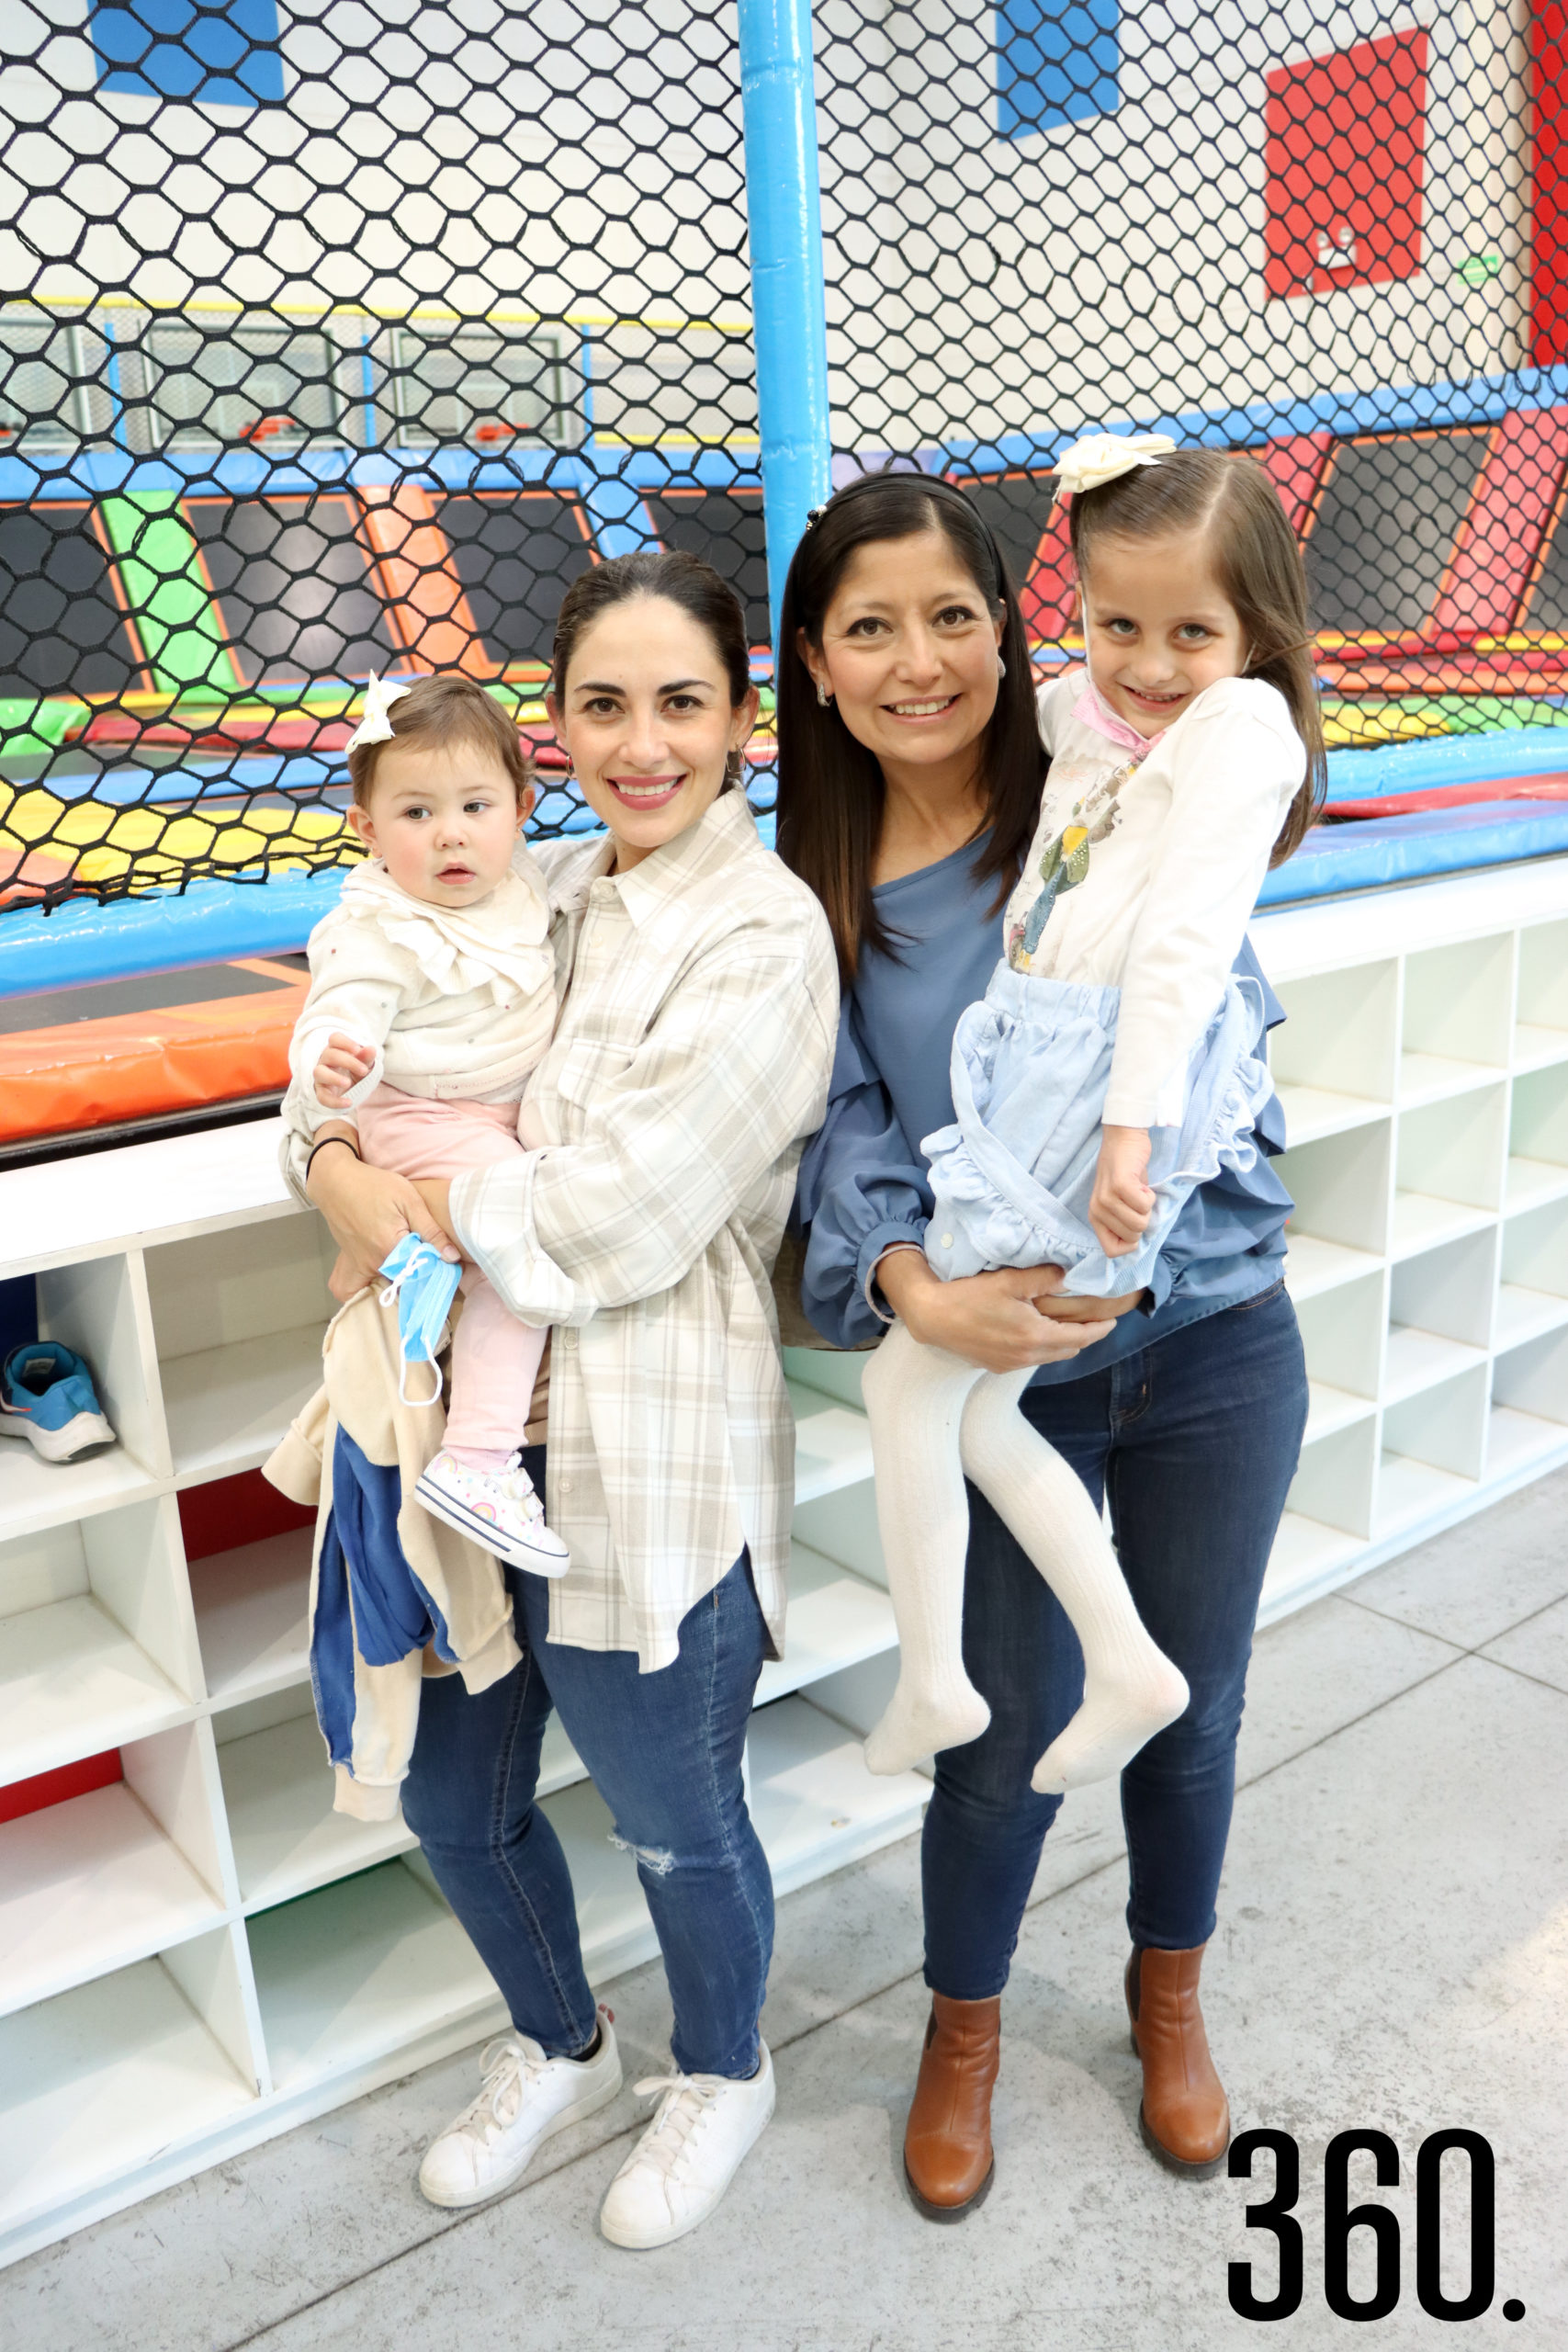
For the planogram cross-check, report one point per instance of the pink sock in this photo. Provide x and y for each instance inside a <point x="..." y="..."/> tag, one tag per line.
<point x="480" y="1457"/>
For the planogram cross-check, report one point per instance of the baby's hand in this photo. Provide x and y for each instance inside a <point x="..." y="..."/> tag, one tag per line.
<point x="342" y="1066"/>
<point x="1122" y="1203"/>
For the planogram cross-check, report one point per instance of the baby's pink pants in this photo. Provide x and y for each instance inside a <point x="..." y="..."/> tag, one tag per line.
<point x="495" y="1359"/>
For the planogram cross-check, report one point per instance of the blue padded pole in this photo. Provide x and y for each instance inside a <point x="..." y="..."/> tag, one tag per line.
<point x="783" y="208"/>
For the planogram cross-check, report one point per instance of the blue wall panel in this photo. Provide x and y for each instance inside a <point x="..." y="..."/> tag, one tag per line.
<point x="1058" y="61"/>
<point x="167" y="49"/>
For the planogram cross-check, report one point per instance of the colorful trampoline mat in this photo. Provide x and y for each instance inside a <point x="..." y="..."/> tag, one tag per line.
<point x="124" y="1051"/>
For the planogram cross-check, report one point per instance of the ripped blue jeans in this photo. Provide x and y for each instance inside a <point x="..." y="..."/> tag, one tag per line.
<point x="665" y="1753"/>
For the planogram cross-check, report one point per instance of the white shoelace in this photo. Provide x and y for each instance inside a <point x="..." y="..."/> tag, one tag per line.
<point x="508" y="2070"/>
<point x="689" y="2100"/>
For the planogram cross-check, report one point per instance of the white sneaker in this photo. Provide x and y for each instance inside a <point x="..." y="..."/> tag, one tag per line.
<point x="686" y="2159"/>
<point x="498" y="1509"/>
<point x="527" y="2099"/>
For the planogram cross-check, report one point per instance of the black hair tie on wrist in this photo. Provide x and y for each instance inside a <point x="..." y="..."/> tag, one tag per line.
<point x="315" y="1148"/>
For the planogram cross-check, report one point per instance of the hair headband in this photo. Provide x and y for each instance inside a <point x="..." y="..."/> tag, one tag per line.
<point x="375" y="726"/>
<point x="1101" y="458"/>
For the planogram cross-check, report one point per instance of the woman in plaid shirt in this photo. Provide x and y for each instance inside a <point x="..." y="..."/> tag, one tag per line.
<point x="664" y="1125"/>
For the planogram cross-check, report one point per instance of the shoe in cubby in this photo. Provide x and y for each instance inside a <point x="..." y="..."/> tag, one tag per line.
<point x="97" y="1313"/>
<point x="48" y="1400"/>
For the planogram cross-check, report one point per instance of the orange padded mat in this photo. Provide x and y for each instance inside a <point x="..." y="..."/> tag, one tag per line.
<point x="80" y="1059"/>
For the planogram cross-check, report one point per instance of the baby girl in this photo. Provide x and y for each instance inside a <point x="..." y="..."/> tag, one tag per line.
<point x="431" y="999"/>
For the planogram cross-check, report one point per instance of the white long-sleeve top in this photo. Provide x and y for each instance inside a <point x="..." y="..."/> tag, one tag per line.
<point x="1169" y="852"/>
<point x="456" y="1003"/>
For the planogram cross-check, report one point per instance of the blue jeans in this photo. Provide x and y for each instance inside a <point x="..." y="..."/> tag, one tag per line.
<point x="1195" y="1441"/>
<point x="664" y="1751"/>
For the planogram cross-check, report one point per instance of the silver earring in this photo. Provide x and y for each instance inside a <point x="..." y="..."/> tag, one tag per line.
<point x="1001" y="667"/>
<point x="822" y="699"/>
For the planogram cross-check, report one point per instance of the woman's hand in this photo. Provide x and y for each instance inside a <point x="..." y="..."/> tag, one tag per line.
<point x="1001" y="1322"/>
<point x="368" y="1211"/>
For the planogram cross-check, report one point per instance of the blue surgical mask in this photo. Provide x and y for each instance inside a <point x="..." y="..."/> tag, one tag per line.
<point x="423" y="1284"/>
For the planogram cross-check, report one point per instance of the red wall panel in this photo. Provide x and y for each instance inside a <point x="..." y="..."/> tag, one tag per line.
<point x="1345" y="136"/>
<point x="53" y="1787"/>
<point x="1549" y="276"/>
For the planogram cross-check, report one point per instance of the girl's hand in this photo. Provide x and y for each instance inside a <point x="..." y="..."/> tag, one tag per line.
<point x="1122" y="1203"/>
<point x="368" y="1211"/>
<point x="342" y="1066"/>
<point x="1000" y="1321"/>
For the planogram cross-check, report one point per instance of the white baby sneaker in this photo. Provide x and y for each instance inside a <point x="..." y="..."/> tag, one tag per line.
<point x="686" y="2159"/>
<point x="526" y="2100"/>
<point x="499" y="1509"/>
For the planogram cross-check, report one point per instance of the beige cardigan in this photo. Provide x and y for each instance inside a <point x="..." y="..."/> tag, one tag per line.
<point x="360" y="1394"/>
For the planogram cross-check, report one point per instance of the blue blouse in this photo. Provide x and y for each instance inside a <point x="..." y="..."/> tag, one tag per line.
<point x="864" y="1179"/>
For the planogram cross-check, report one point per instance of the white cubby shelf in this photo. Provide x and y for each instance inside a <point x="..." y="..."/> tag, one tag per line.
<point x="201" y="1953"/>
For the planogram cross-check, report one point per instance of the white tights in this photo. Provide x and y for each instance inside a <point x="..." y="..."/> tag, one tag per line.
<point x="934" y="1419"/>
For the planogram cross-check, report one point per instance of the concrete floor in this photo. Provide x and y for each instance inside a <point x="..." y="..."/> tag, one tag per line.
<point x="1393" y="1952"/>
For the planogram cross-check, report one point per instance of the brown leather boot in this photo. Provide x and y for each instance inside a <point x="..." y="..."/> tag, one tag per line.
<point x="947" y="2142"/>
<point x="1185" y="2116"/>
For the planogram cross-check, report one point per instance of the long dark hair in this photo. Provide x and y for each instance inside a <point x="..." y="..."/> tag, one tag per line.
<point x="831" y="788"/>
<point x="1232" y="502"/>
<point x="700" y="591"/>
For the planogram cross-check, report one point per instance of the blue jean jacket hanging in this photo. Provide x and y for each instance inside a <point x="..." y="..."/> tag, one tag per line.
<point x="1013" y="1175"/>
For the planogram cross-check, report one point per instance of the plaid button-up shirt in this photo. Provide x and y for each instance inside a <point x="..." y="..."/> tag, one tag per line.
<point x="690" y="1065"/>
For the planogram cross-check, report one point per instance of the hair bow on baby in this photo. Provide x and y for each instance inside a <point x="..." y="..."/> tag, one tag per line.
<point x="1101" y="458"/>
<point x="375" y="727"/>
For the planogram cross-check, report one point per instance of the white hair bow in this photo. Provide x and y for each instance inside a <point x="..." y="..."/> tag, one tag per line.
<point x="375" y="727"/>
<point x="1103" y="456"/>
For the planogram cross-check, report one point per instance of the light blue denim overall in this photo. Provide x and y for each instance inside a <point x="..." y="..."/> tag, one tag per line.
<point x="1031" y="1066"/>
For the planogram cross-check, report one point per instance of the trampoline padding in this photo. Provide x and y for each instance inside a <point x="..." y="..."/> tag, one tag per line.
<point x="1443" y="760"/>
<point x="212" y="922"/>
<point x="1411" y="849"/>
<point x="86" y="1074"/>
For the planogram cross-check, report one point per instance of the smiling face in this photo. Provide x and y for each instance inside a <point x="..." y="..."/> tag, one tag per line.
<point x="647" y="722"/>
<point x="909" y="654"/>
<point x="444" y="818"/>
<point x="1157" y="627"/>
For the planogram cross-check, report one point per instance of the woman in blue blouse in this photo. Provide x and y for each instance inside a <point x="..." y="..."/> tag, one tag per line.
<point x="910" y="769"/>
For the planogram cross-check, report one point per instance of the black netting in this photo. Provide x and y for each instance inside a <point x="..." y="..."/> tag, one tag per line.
<point x="1303" y="230"/>
<point x="339" y="341"/>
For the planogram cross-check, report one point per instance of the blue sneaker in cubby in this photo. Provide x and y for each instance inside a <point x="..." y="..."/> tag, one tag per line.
<point x="47" y="1395"/>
